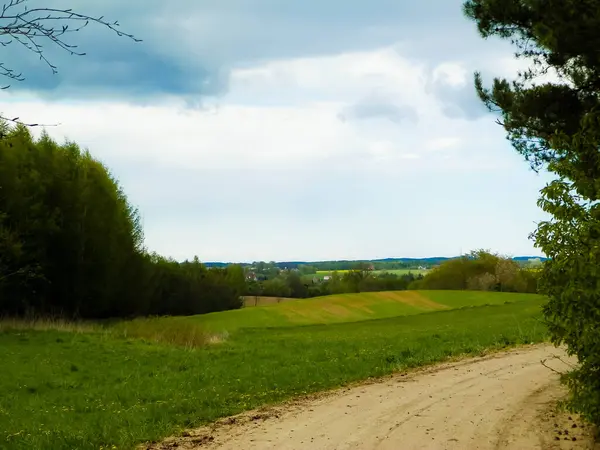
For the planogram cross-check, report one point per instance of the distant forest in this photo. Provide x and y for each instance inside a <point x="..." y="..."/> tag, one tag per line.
<point x="378" y="264"/>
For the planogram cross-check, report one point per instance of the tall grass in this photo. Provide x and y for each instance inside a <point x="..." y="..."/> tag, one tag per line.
<point x="168" y="331"/>
<point x="48" y="324"/>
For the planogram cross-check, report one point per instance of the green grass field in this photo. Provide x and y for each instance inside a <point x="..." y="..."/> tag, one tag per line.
<point x="347" y="308"/>
<point x="92" y="389"/>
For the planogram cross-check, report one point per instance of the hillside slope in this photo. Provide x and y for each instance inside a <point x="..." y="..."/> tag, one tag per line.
<point x="351" y="308"/>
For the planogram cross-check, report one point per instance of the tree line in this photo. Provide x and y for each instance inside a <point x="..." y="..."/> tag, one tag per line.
<point x="267" y="269"/>
<point x="479" y="270"/>
<point x="72" y="244"/>
<point x="293" y="284"/>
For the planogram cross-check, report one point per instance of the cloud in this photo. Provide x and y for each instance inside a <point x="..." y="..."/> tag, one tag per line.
<point x="378" y="108"/>
<point x="270" y="172"/>
<point x="224" y="127"/>
<point x="452" y="83"/>
<point x="453" y="87"/>
<point x="190" y="49"/>
<point x="443" y="143"/>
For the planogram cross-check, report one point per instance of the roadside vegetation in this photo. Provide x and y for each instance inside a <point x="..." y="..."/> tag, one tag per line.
<point x="554" y="123"/>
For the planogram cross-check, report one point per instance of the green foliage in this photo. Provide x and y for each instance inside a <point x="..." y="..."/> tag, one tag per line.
<point x="90" y="390"/>
<point x="276" y="287"/>
<point x="556" y="126"/>
<point x="480" y="271"/>
<point x="306" y="269"/>
<point x="71" y="244"/>
<point x="386" y="281"/>
<point x="297" y="287"/>
<point x="290" y="283"/>
<point x="356" y="278"/>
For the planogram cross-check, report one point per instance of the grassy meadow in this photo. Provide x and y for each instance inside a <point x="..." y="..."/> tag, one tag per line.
<point x="341" y="308"/>
<point x="67" y="386"/>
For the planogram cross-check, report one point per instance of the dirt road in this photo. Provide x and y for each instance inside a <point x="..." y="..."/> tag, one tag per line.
<point x="502" y="401"/>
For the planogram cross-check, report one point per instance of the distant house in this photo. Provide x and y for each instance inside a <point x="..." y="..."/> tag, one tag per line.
<point x="251" y="276"/>
<point x="326" y="278"/>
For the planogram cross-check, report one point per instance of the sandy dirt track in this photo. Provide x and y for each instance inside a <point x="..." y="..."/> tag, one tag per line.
<point x="500" y="401"/>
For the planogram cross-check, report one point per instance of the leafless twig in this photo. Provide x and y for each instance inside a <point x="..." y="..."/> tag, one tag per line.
<point x="30" y="27"/>
<point x="543" y="361"/>
<point x="18" y="121"/>
<point x="565" y="362"/>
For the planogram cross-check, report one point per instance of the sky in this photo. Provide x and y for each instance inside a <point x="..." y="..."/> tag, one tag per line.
<point x="249" y="130"/>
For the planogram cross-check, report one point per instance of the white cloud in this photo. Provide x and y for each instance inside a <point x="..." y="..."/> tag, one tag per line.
<point x="270" y="172"/>
<point x="443" y="143"/>
<point x="451" y="73"/>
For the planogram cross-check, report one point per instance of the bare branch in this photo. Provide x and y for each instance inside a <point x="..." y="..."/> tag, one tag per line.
<point x="566" y="363"/>
<point x="543" y="361"/>
<point x="18" y="121"/>
<point x="30" y="27"/>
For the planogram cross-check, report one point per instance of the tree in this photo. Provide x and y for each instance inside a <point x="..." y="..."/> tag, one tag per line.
<point x="71" y="244"/>
<point x="334" y="285"/>
<point x="479" y="270"/>
<point x="276" y="287"/>
<point x="67" y="233"/>
<point x="484" y="282"/>
<point x="236" y="278"/>
<point x="32" y="27"/>
<point x="507" y="275"/>
<point x="306" y="269"/>
<point x="556" y="127"/>
<point x="356" y="278"/>
<point x="297" y="287"/>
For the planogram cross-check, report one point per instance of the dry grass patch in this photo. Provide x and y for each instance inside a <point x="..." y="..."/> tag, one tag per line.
<point x="161" y="330"/>
<point x="251" y="300"/>
<point x="48" y="324"/>
<point x="415" y="299"/>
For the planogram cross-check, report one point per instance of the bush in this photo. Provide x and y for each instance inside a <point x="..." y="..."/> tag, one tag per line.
<point x="480" y="271"/>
